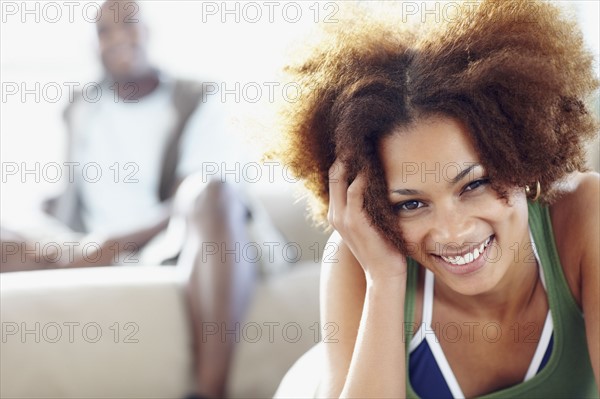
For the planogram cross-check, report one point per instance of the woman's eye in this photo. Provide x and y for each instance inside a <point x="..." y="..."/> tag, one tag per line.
<point x="408" y="205"/>
<point x="476" y="184"/>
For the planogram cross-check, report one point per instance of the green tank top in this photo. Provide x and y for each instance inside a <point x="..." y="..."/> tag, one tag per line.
<point x="568" y="373"/>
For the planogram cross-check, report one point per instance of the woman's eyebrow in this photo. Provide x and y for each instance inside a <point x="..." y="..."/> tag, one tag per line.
<point x="406" y="191"/>
<point x="454" y="180"/>
<point x="463" y="173"/>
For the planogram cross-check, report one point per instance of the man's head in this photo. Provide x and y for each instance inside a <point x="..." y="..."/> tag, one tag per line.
<point x="122" y="39"/>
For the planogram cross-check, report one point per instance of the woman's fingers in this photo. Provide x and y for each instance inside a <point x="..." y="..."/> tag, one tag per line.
<point x="345" y="200"/>
<point x="338" y="188"/>
<point x="378" y="258"/>
<point x="356" y="193"/>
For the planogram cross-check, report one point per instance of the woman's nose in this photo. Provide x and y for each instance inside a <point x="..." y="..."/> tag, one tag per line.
<point x="451" y="227"/>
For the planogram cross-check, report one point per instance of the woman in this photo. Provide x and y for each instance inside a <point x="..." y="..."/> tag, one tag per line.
<point x="450" y="163"/>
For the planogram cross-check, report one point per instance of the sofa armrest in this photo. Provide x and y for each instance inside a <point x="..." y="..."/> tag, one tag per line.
<point x="94" y="332"/>
<point x="124" y="332"/>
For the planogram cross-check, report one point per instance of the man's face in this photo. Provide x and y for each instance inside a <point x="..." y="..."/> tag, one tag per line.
<point x="122" y="39"/>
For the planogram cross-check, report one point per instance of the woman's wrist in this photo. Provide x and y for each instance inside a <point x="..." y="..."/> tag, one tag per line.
<point x="386" y="284"/>
<point x="384" y="277"/>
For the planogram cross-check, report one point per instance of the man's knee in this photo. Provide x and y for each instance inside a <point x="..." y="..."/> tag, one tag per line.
<point x="214" y="200"/>
<point x="218" y="199"/>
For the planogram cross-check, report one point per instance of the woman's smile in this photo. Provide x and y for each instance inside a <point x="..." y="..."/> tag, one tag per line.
<point x="467" y="262"/>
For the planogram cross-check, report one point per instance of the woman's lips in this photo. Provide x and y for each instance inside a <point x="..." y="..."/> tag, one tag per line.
<point x="469" y="263"/>
<point x="466" y="256"/>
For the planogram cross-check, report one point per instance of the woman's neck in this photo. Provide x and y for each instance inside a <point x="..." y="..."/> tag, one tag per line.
<point x="507" y="300"/>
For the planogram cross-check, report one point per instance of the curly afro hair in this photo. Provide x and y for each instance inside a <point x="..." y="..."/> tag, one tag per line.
<point x="516" y="73"/>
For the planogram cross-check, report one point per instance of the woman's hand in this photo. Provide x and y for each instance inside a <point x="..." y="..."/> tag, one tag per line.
<point x="377" y="256"/>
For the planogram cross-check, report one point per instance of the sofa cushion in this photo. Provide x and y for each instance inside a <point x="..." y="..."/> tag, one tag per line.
<point x="102" y="332"/>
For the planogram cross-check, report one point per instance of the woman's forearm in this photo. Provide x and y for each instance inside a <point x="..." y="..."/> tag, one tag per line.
<point x="378" y="362"/>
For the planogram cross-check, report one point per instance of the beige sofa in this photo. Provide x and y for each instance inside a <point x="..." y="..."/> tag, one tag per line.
<point x="124" y="331"/>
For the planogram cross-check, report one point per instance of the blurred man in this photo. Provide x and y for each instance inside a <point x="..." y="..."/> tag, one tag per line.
<point x="146" y="134"/>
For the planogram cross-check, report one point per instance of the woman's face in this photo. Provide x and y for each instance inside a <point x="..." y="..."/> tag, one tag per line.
<point x="452" y="220"/>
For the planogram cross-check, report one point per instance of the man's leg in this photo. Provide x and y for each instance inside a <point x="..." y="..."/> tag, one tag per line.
<point x="16" y="253"/>
<point x="20" y="253"/>
<point x="220" y="281"/>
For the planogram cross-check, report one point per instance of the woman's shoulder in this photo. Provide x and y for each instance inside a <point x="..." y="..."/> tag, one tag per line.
<point x="575" y="219"/>
<point x="577" y="207"/>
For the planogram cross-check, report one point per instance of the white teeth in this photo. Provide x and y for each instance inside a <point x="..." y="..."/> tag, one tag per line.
<point x="467" y="258"/>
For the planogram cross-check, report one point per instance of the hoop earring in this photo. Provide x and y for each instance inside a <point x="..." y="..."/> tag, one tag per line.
<point x="538" y="191"/>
